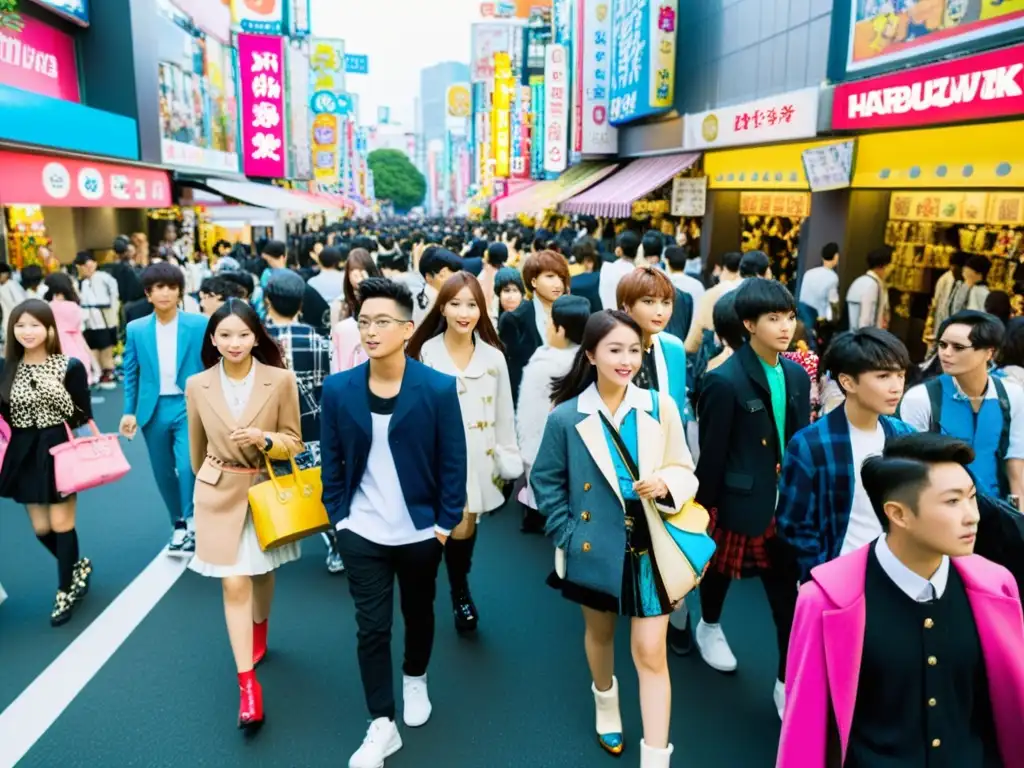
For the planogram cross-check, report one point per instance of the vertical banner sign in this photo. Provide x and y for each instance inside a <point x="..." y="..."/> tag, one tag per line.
<point x="556" y="108"/>
<point x="300" y="151"/>
<point x="261" y="70"/>
<point x="537" y="134"/>
<point x="525" y="131"/>
<point x="349" y="178"/>
<point x="487" y="40"/>
<point x="264" y="17"/>
<point x="298" y="18"/>
<point x="517" y="166"/>
<point x="592" y="134"/>
<point x="327" y="84"/>
<point x="643" y="58"/>
<point x="503" y="85"/>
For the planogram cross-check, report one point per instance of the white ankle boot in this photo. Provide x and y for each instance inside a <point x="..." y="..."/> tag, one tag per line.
<point x="609" y="721"/>
<point x="654" y="758"/>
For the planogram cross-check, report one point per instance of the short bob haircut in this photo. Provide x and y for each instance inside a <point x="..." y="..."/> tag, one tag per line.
<point x="757" y="297"/>
<point x="545" y="261"/>
<point x="163" y="273"/>
<point x="643" y="283"/>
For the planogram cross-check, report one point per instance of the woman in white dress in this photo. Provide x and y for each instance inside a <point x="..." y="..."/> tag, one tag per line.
<point x="242" y="409"/>
<point x="458" y="338"/>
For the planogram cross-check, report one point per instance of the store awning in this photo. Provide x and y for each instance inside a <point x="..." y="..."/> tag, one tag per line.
<point x="614" y="197"/>
<point x="504" y="207"/>
<point x="241" y="215"/>
<point x="773" y="166"/>
<point x="266" y="196"/>
<point x="549" y="194"/>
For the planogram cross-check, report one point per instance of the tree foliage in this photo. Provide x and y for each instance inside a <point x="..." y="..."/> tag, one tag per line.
<point x="396" y="179"/>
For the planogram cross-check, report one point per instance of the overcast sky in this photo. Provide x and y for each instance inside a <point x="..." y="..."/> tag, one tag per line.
<point x="401" y="37"/>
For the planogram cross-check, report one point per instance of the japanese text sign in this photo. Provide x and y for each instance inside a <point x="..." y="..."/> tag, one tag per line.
<point x="501" y="145"/>
<point x="357" y="64"/>
<point x="689" y="195"/>
<point x="262" y="71"/>
<point x="592" y="133"/>
<point x="792" y="115"/>
<point x="39" y="58"/>
<point x="260" y="16"/>
<point x="978" y="87"/>
<point x="556" y="108"/>
<point x="487" y="40"/>
<point x="643" y="58"/>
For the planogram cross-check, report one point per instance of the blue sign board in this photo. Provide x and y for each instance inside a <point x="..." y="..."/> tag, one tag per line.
<point x="642" y="46"/>
<point x="357" y="64"/>
<point x="73" y="10"/>
<point x="328" y="103"/>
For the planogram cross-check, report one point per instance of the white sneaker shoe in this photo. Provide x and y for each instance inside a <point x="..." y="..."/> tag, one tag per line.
<point x="714" y="648"/>
<point x="381" y="742"/>
<point x="780" y="697"/>
<point x="417" y="707"/>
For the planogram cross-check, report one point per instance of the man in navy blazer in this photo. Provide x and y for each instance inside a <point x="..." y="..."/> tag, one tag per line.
<point x="394" y="474"/>
<point x="161" y="351"/>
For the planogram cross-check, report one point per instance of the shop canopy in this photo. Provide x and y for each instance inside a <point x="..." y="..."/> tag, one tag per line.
<point x="614" y="197"/>
<point x="549" y="194"/>
<point x="273" y="198"/>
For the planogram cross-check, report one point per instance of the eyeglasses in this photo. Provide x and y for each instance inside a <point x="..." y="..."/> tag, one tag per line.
<point x="383" y="323"/>
<point x="958" y="348"/>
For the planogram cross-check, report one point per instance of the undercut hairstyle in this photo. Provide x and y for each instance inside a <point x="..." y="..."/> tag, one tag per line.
<point x="987" y="331"/>
<point x="545" y="261"/>
<point x="903" y="470"/>
<point x="830" y="251"/>
<point x="731" y="261"/>
<point x="382" y="288"/>
<point x="754" y="264"/>
<point x="653" y="243"/>
<point x="865" y="350"/>
<point x="163" y="273"/>
<point x="728" y="326"/>
<point x="642" y="283"/>
<point x="676" y="258"/>
<point x="330" y="257"/>
<point x="571" y="314"/>
<point x="756" y="298"/>
<point x="629" y="243"/>
<point x="880" y="257"/>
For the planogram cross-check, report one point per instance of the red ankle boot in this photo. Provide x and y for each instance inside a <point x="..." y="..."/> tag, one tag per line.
<point x="250" y="710"/>
<point x="259" y="641"/>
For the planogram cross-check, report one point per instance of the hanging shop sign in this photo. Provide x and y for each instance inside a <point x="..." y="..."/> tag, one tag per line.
<point x="300" y="158"/>
<point x="981" y="87"/>
<point x="327" y="81"/>
<point x="643" y="58"/>
<point x="487" y="40"/>
<point x="68" y="183"/>
<point x="501" y="146"/>
<point x="689" y="196"/>
<point x="357" y="64"/>
<point x="327" y="65"/>
<point x="556" y="108"/>
<point x="261" y="66"/>
<point x="537" y="131"/>
<point x="884" y="34"/>
<point x="785" y="117"/>
<point x="794" y="205"/>
<point x="459" y="100"/>
<point x="298" y="18"/>
<point x="592" y="133"/>
<point x="265" y="17"/>
<point x="76" y="11"/>
<point x="39" y="58"/>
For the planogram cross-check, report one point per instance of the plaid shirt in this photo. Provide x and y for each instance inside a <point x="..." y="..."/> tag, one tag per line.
<point x="817" y="485"/>
<point x="308" y="354"/>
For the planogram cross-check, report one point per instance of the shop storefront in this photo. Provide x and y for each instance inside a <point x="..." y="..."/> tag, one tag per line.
<point x="539" y="200"/>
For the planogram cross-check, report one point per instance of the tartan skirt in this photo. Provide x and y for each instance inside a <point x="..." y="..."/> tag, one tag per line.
<point x="739" y="556"/>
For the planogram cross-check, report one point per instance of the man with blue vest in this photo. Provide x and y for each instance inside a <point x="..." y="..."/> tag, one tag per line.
<point x="968" y="403"/>
<point x="161" y="351"/>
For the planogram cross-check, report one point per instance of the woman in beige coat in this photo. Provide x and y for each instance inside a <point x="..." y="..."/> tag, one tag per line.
<point x="243" y="406"/>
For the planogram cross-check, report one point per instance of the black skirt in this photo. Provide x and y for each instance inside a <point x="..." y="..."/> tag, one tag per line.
<point x="27" y="472"/>
<point x="642" y="593"/>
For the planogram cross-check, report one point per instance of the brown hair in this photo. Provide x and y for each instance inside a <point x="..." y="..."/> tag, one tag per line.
<point x="14" y="352"/>
<point x="358" y="258"/>
<point x="545" y="261"/>
<point x="644" y="282"/>
<point x="434" y="323"/>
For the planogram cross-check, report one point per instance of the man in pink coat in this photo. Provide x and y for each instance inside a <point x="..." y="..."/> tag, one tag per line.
<point x="909" y="651"/>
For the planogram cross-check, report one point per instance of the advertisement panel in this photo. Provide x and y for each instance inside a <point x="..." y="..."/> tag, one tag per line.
<point x="261" y="69"/>
<point x="459" y="100"/>
<point x="884" y="33"/>
<point x="643" y="58"/>
<point x="784" y="117"/>
<point x="300" y="152"/>
<point x="72" y="10"/>
<point x="556" y="108"/>
<point x="537" y="134"/>
<point x="487" y="40"/>
<point x="592" y="134"/>
<point x="357" y="64"/>
<point x="264" y="17"/>
<point x="39" y="58"/>
<point x="982" y="87"/>
<point x="327" y="83"/>
<point x="500" y="114"/>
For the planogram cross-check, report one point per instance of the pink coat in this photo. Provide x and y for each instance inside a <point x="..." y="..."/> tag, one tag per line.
<point x="828" y="640"/>
<point x="68" y="316"/>
<point x="348" y="346"/>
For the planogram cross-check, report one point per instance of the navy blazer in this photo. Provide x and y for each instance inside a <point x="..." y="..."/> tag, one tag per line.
<point x="587" y="285"/>
<point x="427" y="439"/>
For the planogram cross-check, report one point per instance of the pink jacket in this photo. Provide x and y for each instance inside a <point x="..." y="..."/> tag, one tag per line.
<point x="828" y="640"/>
<point x="348" y="346"/>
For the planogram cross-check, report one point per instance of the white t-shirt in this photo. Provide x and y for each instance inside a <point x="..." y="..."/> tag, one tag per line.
<point x="820" y="289"/>
<point x="167" y="356"/>
<point x="863" y="527"/>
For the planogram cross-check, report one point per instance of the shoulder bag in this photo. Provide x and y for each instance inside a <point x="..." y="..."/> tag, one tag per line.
<point x="288" y="508"/>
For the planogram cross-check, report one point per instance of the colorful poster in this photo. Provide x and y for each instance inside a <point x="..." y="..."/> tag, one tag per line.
<point x="500" y="115"/>
<point x="72" y="10"/>
<point x="262" y="75"/>
<point x="39" y="58"/>
<point x="884" y="32"/>
<point x="264" y="17"/>
<point x="556" y="109"/>
<point x="784" y="117"/>
<point x="299" y="128"/>
<point x="383" y="115"/>
<point x="643" y="58"/>
<point x="592" y="134"/>
<point x="487" y="40"/>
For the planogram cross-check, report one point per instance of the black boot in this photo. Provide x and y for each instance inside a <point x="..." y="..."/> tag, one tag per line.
<point x="533" y="521"/>
<point x="458" y="555"/>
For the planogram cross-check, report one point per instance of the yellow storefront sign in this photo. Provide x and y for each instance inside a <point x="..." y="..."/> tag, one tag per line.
<point x="793" y="205"/>
<point x="777" y="166"/>
<point x="501" y="142"/>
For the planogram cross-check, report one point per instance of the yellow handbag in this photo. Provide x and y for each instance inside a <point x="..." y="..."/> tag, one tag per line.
<point x="288" y="508"/>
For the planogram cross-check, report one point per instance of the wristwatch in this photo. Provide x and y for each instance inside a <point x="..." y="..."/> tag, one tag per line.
<point x="267" y="443"/>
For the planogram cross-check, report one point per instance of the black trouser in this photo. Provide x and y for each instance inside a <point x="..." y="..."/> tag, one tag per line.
<point x="371" y="570"/>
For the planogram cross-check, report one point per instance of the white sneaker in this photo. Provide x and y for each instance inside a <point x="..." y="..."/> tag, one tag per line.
<point x="780" y="697"/>
<point x="714" y="648"/>
<point x="417" y="702"/>
<point x="381" y="742"/>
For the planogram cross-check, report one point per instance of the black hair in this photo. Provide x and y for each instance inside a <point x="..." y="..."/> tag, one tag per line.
<point x="583" y="373"/>
<point x="60" y="284"/>
<point x="880" y="257"/>
<point x="243" y="280"/>
<point x="14" y="352"/>
<point x="382" y="288"/>
<point x="507" y="276"/>
<point x="653" y="243"/>
<point x="121" y="244"/>
<point x="728" y="326"/>
<point x="1012" y="351"/>
<point x="330" y="257"/>
<point x="283" y="303"/>
<point x="676" y="257"/>
<point x="757" y="297"/>
<point x="829" y="251"/>
<point x="629" y="243"/>
<point x="265" y="350"/>
<point x="397" y="261"/>
<point x="865" y="350"/>
<point x="987" y="331"/>
<point x="433" y="261"/>
<point x="5" y="268"/>
<point x="218" y="244"/>
<point x="997" y="303"/>
<point x="275" y="249"/>
<point x="571" y="313"/>
<point x="979" y="264"/>
<point x="902" y="472"/>
<point x="754" y="264"/>
<point x="163" y="273"/>
<point x="31" y="276"/>
<point x="497" y="254"/>
<point x="221" y="287"/>
<point x="83" y="257"/>
<point x="731" y="261"/>
<point x="585" y="250"/>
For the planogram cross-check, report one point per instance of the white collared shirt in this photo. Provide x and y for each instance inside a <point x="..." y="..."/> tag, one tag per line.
<point x="167" y="355"/>
<point x="540" y="317"/>
<point x="590" y="402"/>
<point x="915" y="587"/>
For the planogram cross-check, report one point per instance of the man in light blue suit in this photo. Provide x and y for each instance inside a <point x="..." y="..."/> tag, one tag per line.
<point x="161" y="352"/>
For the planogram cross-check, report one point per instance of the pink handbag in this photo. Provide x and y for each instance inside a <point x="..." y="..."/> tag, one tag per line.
<point x="5" y="438"/>
<point x="87" y="462"/>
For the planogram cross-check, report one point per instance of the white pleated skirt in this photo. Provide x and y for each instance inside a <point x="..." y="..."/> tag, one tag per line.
<point x="252" y="561"/>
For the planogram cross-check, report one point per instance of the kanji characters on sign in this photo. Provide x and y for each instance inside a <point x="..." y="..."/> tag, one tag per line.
<point x="261" y="65"/>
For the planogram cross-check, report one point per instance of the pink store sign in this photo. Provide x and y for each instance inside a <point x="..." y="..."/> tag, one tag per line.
<point x="39" y="58"/>
<point x="261" y="65"/>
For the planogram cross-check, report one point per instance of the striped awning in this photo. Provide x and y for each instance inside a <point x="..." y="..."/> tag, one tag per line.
<point x="548" y="194"/>
<point x="614" y="197"/>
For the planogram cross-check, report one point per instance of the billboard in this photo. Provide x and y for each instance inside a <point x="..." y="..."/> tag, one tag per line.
<point x="643" y="58"/>
<point x="261" y="69"/>
<point x="592" y="134"/>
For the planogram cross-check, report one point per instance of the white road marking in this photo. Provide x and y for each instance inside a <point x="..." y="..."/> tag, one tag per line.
<point x="29" y="716"/>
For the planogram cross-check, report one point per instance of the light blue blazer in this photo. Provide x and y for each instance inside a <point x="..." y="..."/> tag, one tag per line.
<point x="142" y="366"/>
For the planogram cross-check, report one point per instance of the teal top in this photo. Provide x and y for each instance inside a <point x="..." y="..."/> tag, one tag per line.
<point x="777" y="385"/>
<point x="628" y="433"/>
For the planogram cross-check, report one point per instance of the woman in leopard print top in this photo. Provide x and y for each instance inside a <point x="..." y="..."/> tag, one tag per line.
<point x="41" y="390"/>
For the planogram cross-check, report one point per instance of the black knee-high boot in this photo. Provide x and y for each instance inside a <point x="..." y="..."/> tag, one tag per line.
<point x="458" y="555"/>
<point x="48" y="540"/>
<point x="67" y="557"/>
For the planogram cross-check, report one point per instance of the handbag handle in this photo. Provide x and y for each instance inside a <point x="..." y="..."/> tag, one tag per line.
<point x="284" y="495"/>
<point x="92" y="425"/>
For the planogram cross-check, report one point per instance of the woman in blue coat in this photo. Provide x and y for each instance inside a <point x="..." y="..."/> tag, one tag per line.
<point x="608" y="448"/>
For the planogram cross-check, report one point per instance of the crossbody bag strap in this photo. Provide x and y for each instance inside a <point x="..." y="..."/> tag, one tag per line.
<point x="623" y="451"/>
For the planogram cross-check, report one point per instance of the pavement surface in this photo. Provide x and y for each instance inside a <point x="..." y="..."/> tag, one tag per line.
<point x="150" y="682"/>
